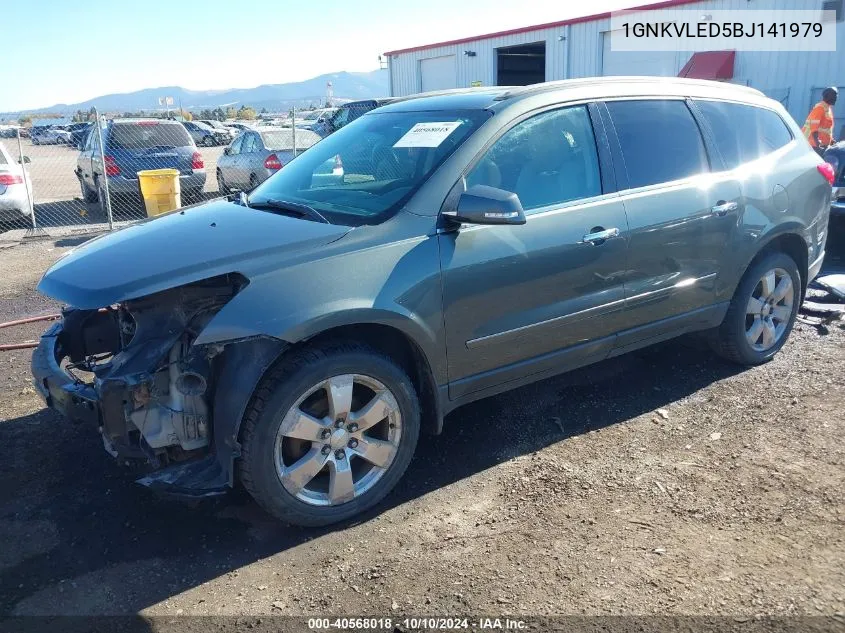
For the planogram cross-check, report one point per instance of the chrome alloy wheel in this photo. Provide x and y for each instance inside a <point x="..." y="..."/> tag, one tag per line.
<point x="769" y="310"/>
<point x="338" y="440"/>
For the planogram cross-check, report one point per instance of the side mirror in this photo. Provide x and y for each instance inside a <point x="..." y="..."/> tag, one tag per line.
<point x="481" y="204"/>
<point x="25" y="159"/>
<point x="227" y="150"/>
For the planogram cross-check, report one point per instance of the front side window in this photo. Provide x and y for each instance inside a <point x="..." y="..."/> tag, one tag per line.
<point x="660" y="141"/>
<point x="545" y="160"/>
<point x="365" y="171"/>
<point x="742" y="132"/>
<point x="235" y="149"/>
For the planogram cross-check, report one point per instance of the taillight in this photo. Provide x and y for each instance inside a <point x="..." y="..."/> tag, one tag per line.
<point x="112" y="168"/>
<point x="826" y="170"/>
<point x="273" y="162"/>
<point x="10" y="179"/>
<point x="196" y="161"/>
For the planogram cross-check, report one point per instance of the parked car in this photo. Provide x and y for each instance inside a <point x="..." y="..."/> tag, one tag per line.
<point x="239" y="127"/>
<point x="205" y="134"/>
<point x="835" y="156"/>
<point x="347" y="113"/>
<point x="299" y="339"/>
<point x="309" y="119"/>
<point x="225" y="131"/>
<point x="79" y="132"/>
<point x="133" y="145"/>
<point x="256" y="155"/>
<point x="50" y="135"/>
<point x="15" y="190"/>
<point x="9" y="131"/>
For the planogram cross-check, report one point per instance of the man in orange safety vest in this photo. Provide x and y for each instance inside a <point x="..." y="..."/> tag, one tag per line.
<point x="819" y="125"/>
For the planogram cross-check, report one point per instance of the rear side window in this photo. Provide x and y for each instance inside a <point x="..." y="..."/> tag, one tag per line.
<point x="283" y="139"/>
<point x="144" y="135"/>
<point x="744" y="133"/>
<point x="660" y="141"/>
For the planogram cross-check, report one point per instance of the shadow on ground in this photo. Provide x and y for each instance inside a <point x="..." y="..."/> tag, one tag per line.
<point x="55" y="473"/>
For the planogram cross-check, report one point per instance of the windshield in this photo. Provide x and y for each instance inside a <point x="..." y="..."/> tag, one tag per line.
<point x="146" y="134"/>
<point x="366" y="170"/>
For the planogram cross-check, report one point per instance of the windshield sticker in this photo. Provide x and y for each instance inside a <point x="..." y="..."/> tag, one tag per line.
<point x="427" y="134"/>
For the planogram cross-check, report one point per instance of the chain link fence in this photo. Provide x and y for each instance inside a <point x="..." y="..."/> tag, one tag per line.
<point x="84" y="176"/>
<point x="79" y="177"/>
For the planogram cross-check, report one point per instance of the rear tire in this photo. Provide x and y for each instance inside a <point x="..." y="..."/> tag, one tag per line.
<point x="762" y="311"/>
<point x="87" y="194"/>
<point x="300" y="436"/>
<point x="222" y="187"/>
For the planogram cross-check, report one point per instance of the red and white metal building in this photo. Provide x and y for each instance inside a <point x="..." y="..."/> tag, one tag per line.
<point x="580" y="47"/>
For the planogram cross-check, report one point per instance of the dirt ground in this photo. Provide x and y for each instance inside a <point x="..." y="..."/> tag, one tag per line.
<point x="662" y="482"/>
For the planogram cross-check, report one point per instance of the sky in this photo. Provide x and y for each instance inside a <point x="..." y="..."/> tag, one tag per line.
<point x="66" y="52"/>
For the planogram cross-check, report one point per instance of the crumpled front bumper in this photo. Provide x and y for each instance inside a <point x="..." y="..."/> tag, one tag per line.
<point x="81" y="402"/>
<point x="71" y="398"/>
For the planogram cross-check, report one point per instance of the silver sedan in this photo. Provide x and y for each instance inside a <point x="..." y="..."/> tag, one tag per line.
<point x="256" y="155"/>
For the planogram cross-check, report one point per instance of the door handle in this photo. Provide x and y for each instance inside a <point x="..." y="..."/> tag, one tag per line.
<point x="598" y="237"/>
<point x="722" y="208"/>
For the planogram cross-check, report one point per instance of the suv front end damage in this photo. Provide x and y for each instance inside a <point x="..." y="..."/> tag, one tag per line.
<point x="132" y="370"/>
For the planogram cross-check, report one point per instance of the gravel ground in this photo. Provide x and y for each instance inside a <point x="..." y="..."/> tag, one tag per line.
<point x="661" y="482"/>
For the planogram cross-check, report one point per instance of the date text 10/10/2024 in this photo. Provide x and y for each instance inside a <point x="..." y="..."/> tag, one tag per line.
<point x="442" y="624"/>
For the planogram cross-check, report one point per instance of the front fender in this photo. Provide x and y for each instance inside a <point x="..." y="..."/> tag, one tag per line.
<point x="395" y="284"/>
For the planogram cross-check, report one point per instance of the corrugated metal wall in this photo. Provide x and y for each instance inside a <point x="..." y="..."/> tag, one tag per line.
<point x="786" y="76"/>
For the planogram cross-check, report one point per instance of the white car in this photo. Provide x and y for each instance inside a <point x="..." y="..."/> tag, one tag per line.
<point x="15" y="190"/>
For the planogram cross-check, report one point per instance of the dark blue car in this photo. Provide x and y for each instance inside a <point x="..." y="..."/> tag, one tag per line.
<point x="133" y="145"/>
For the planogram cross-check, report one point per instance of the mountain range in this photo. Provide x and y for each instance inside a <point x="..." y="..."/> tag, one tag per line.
<point x="274" y="97"/>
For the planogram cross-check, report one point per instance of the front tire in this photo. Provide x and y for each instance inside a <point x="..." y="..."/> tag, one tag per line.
<point x="329" y="432"/>
<point x="762" y="312"/>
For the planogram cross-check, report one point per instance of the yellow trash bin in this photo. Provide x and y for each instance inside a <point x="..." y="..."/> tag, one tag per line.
<point x="160" y="190"/>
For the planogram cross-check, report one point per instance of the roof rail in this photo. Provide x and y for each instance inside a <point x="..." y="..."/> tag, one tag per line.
<point x="453" y="91"/>
<point x="590" y="81"/>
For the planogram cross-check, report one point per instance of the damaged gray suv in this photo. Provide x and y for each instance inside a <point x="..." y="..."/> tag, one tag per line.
<point x="438" y="250"/>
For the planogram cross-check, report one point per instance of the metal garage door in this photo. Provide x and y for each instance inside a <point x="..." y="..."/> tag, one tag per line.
<point x="637" y="62"/>
<point x="438" y="73"/>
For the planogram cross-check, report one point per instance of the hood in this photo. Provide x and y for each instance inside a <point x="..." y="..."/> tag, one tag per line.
<point x="180" y="248"/>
